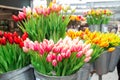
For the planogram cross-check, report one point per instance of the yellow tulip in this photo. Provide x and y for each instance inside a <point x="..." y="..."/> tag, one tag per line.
<point x="111" y="49"/>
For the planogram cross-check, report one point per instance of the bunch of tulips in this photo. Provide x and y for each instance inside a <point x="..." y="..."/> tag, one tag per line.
<point x="98" y="16"/>
<point x="59" y="59"/>
<point x="12" y="56"/>
<point x="100" y="41"/>
<point x="43" y="23"/>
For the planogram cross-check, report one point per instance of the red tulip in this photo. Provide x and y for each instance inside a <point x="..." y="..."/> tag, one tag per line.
<point x="21" y="44"/>
<point x="15" y="18"/>
<point x="15" y="34"/>
<point x="10" y="39"/>
<point x="17" y="40"/>
<point x="24" y="36"/>
<point x="3" y="41"/>
<point x="5" y="34"/>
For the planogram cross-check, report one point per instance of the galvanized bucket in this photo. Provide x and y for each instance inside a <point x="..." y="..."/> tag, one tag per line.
<point x="40" y="76"/>
<point x="26" y="73"/>
<point x="115" y="56"/>
<point x="104" y="27"/>
<point x="82" y="74"/>
<point x="102" y="63"/>
<point x="94" y="28"/>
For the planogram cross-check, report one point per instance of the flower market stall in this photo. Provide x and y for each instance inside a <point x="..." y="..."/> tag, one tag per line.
<point x="50" y="50"/>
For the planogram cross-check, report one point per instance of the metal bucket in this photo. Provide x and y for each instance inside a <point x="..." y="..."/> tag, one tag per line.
<point x="104" y="27"/>
<point x="83" y="73"/>
<point x="40" y="76"/>
<point x="115" y="56"/>
<point x="25" y="73"/>
<point x="94" y="28"/>
<point x="102" y="63"/>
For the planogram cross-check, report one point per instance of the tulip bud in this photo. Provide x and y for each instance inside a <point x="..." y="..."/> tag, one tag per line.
<point x="54" y="63"/>
<point x="24" y="36"/>
<point x="87" y="59"/>
<point x="63" y="55"/>
<point x="10" y="39"/>
<point x="79" y="54"/>
<point x="41" y="50"/>
<point x="49" y="58"/>
<point x="68" y="54"/>
<point x="59" y="57"/>
<point x="25" y="49"/>
<point x="15" y="18"/>
<point x="88" y="53"/>
<point x="3" y="41"/>
<point x="56" y="50"/>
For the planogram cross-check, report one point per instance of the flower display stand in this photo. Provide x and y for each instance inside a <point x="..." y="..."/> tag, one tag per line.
<point x="25" y="73"/>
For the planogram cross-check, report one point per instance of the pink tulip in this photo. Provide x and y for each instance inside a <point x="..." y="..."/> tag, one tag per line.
<point x="31" y="45"/>
<point x="24" y="9"/>
<point x="26" y="43"/>
<point x="36" y="46"/>
<point x="49" y="58"/>
<point x="39" y="11"/>
<point x="48" y="48"/>
<point x="48" y="11"/>
<point x="56" y="50"/>
<point x="59" y="57"/>
<point x="87" y="46"/>
<point x="21" y="15"/>
<point x="76" y="40"/>
<point x="41" y="50"/>
<point x="25" y="49"/>
<point x="79" y="48"/>
<point x="79" y="54"/>
<point x="73" y="48"/>
<point x="54" y="63"/>
<point x="84" y="50"/>
<point x="64" y="49"/>
<point x="53" y="56"/>
<point x="88" y="53"/>
<point x="68" y="54"/>
<point x="87" y="59"/>
<point x="63" y="55"/>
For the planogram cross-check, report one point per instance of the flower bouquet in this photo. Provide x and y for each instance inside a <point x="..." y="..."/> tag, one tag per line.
<point x="12" y="57"/>
<point x="97" y="17"/>
<point x="63" y="58"/>
<point x="106" y="42"/>
<point x="43" y="23"/>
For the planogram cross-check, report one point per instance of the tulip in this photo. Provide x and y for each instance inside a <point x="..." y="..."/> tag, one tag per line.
<point x="10" y="39"/>
<point x="63" y="55"/>
<point x="59" y="57"/>
<point x="3" y="41"/>
<point x="68" y="54"/>
<point x="28" y="11"/>
<point x="56" y="49"/>
<point x="21" y="44"/>
<point x="25" y="49"/>
<point x="5" y="35"/>
<point x="15" y="18"/>
<point x="24" y="36"/>
<point x="39" y="11"/>
<point x="88" y="53"/>
<point x="21" y="16"/>
<point x="79" y="54"/>
<point x="41" y="50"/>
<point x="53" y="56"/>
<point x="49" y="58"/>
<point x="36" y="46"/>
<point x="54" y="63"/>
<point x="15" y="34"/>
<point x="87" y="59"/>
